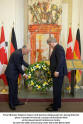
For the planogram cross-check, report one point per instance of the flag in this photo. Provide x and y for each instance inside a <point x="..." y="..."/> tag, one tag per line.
<point x="3" y="57"/>
<point x="13" y="45"/>
<point x="77" y="54"/>
<point x="78" y="39"/>
<point x="69" y="51"/>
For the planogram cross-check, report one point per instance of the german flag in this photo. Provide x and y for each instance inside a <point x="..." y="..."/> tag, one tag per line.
<point x="77" y="54"/>
<point x="13" y="45"/>
<point x="78" y="39"/>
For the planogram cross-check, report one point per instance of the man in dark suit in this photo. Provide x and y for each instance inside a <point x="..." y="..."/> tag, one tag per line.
<point x="58" y="70"/>
<point x="12" y="72"/>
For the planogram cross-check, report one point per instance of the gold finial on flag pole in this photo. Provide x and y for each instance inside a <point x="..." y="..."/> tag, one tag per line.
<point x="70" y="24"/>
<point x="78" y="25"/>
<point x="2" y="23"/>
<point x="13" y="23"/>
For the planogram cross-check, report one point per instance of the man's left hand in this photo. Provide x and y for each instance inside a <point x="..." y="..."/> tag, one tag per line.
<point x="25" y="76"/>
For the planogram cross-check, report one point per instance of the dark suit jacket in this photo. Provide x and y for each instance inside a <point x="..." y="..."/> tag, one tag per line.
<point x="15" y="63"/>
<point x="58" y="61"/>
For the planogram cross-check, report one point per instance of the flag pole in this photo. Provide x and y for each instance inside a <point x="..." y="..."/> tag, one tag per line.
<point x="13" y="24"/>
<point x="78" y="25"/>
<point x="2" y="23"/>
<point x="70" y="24"/>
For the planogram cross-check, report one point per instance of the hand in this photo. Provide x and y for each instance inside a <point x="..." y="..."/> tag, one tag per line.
<point x="25" y="76"/>
<point x="3" y="68"/>
<point x="56" y="74"/>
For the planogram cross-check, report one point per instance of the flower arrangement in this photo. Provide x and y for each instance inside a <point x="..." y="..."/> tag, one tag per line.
<point x="39" y="77"/>
<point x="45" y="13"/>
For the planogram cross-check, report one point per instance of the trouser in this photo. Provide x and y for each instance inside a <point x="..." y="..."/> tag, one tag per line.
<point x="57" y="87"/>
<point x="13" y="91"/>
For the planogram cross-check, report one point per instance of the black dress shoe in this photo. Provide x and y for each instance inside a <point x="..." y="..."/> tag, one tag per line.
<point x="59" y="106"/>
<point x="19" y="103"/>
<point x="51" y="109"/>
<point x="51" y="105"/>
<point x="12" y="107"/>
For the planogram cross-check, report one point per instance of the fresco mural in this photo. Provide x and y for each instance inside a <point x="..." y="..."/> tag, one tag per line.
<point x="44" y="20"/>
<point x="45" y="13"/>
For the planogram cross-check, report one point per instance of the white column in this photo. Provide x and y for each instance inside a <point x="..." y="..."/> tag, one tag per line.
<point x="64" y="31"/>
<point x="81" y="26"/>
<point x="75" y="17"/>
<point x="19" y="22"/>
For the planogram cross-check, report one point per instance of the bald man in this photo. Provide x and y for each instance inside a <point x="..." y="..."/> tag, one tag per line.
<point x="12" y="72"/>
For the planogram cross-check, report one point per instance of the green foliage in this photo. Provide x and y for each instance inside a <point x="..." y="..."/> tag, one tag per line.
<point x="39" y="76"/>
